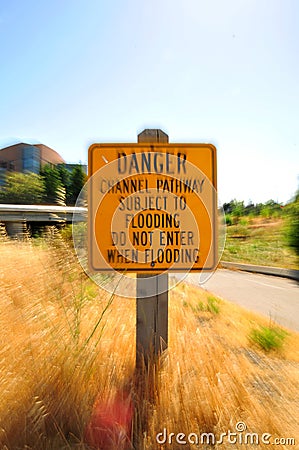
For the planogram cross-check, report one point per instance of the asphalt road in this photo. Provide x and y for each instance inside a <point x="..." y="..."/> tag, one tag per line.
<point x="270" y="296"/>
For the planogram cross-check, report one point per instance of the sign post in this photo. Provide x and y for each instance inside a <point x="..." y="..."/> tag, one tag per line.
<point x="152" y="296"/>
<point x="152" y="210"/>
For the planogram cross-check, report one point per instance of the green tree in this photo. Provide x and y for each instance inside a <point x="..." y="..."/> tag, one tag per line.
<point x="77" y="181"/>
<point x="237" y="210"/>
<point x="64" y="175"/>
<point x="22" y="189"/>
<point x="292" y="229"/>
<point x="55" y="191"/>
<point x="270" y="209"/>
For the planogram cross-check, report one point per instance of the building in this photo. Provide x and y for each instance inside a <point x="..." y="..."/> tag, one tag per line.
<point x="24" y="157"/>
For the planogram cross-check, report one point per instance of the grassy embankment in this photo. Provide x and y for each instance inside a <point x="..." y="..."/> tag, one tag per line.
<point x="55" y="362"/>
<point x="259" y="241"/>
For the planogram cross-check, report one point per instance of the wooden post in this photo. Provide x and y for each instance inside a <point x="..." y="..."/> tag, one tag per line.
<point x="152" y="296"/>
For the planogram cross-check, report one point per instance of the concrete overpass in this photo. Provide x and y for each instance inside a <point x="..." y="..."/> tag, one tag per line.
<point x="19" y="218"/>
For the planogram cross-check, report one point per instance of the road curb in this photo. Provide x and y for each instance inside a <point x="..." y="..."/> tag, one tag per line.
<point x="265" y="270"/>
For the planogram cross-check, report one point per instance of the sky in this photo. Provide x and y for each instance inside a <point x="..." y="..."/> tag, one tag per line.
<point x="76" y="72"/>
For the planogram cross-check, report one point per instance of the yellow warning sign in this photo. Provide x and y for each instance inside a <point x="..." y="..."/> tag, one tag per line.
<point x="152" y="207"/>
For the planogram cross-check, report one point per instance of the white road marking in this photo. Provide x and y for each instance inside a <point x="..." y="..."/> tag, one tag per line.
<point x="265" y="284"/>
<point x="249" y="277"/>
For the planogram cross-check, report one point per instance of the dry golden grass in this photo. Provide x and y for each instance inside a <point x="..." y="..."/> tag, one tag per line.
<point x="55" y="362"/>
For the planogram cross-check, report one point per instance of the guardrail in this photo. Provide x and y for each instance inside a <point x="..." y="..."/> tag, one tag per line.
<point x="17" y="218"/>
<point x="264" y="270"/>
<point x="41" y="213"/>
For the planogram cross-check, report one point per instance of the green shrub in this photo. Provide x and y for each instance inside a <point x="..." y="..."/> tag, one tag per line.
<point x="241" y="230"/>
<point x="228" y="219"/>
<point x="66" y="232"/>
<point x="292" y="229"/>
<point x="213" y="305"/>
<point x="233" y="249"/>
<point x="200" y="307"/>
<point x="243" y="222"/>
<point x="268" y="338"/>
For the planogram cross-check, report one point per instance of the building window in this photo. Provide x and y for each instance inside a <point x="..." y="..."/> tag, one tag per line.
<point x="31" y="159"/>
